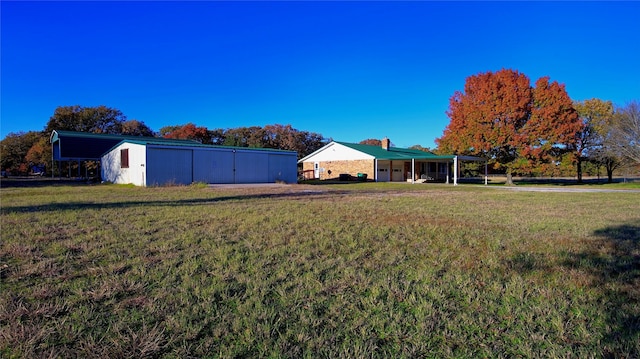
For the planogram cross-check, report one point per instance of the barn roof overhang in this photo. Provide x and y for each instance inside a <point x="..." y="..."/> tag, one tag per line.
<point x="151" y="142"/>
<point x="84" y="146"/>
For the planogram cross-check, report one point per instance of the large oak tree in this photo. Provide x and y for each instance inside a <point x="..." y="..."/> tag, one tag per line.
<point x="518" y="127"/>
<point x="100" y="119"/>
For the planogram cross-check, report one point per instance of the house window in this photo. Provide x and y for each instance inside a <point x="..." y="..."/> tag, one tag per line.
<point x="124" y="158"/>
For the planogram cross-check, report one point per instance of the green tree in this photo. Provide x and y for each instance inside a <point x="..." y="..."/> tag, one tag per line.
<point x="100" y="119"/>
<point x="13" y="151"/>
<point x="285" y="137"/>
<point x="253" y="136"/>
<point x="136" y="128"/>
<point x="596" y="116"/>
<point x="420" y="148"/>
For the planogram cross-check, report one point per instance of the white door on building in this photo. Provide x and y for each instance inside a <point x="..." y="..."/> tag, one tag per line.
<point x="383" y="171"/>
<point x="316" y="170"/>
<point x="397" y="169"/>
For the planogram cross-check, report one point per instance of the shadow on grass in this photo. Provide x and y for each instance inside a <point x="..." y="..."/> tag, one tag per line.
<point x="616" y="273"/>
<point x="30" y="182"/>
<point x="73" y="206"/>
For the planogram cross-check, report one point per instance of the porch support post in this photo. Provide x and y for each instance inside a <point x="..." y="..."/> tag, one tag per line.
<point x="413" y="170"/>
<point x="455" y="171"/>
<point x="447" y="172"/>
<point x="375" y="170"/>
<point x="486" y="174"/>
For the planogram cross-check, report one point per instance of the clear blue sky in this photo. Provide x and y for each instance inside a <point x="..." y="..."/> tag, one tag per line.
<point x="347" y="70"/>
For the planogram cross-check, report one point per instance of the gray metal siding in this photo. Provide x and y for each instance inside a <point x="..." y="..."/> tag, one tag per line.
<point x="283" y="167"/>
<point x="219" y="165"/>
<point x="252" y="167"/>
<point x="213" y="166"/>
<point x="169" y="166"/>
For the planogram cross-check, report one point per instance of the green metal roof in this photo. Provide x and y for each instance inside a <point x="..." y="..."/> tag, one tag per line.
<point x="70" y="145"/>
<point x="85" y="146"/>
<point x="394" y="153"/>
<point x="175" y="143"/>
<point x="56" y="135"/>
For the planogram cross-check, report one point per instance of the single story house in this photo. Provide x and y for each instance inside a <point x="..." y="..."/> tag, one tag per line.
<point x="147" y="161"/>
<point x="382" y="163"/>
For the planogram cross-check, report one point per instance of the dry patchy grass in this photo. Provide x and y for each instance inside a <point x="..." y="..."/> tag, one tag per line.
<point x="364" y="270"/>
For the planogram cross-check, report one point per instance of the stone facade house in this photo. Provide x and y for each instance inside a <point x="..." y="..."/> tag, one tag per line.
<point x="341" y="160"/>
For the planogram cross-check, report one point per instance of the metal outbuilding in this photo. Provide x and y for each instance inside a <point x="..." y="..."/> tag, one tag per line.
<point x="73" y="146"/>
<point x="146" y="162"/>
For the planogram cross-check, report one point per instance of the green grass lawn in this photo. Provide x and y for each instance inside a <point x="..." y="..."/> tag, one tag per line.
<point x="353" y="270"/>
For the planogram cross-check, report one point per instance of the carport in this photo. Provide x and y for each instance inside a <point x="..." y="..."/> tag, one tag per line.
<point x="81" y="147"/>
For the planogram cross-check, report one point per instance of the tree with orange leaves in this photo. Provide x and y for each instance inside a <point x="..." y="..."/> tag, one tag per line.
<point x="517" y="127"/>
<point x="188" y="131"/>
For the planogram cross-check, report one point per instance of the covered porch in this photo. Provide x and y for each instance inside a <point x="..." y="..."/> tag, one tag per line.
<point x="427" y="169"/>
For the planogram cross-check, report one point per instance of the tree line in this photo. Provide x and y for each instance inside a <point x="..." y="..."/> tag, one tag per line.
<point x="522" y="129"/>
<point x="26" y="152"/>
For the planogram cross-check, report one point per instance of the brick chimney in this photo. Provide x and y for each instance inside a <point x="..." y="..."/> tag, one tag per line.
<point x="385" y="143"/>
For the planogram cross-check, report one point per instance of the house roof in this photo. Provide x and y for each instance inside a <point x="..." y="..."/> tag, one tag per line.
<point x="394" y="153"/>
<point x="379" y="153"/>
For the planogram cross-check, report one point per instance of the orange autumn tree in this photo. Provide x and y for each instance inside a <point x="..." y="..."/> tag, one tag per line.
<point x="187" y="131"/>
<point x="501" y="117"/>
<point x="551" y="129"/>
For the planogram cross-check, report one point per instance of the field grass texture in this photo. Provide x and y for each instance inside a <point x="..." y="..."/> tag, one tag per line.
<point x="351" y="271"/>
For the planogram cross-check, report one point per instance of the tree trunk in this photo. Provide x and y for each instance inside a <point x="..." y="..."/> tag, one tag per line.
<point x="509" y="179"/>
<point x="609" y="175"/>
<point x="579" y="169"/>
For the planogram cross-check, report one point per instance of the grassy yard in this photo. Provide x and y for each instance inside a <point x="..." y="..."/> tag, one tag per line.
<point x="357" y="270"/>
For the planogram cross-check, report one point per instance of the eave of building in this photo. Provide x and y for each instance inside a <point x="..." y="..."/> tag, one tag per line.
<point x="390" y="154"/>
